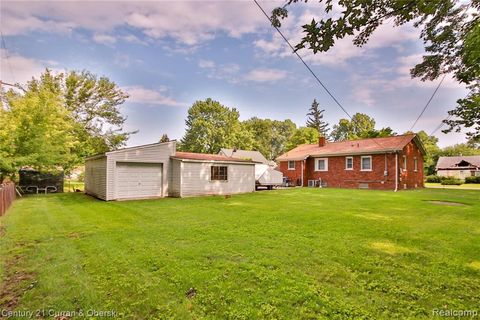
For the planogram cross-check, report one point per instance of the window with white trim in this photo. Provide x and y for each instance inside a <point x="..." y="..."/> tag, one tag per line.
<point x="291" y="165"/>
<point x="219" y="173"/>
<point x="348" y="163"/>
<point x="415" y="164"/>
<point x="405" y="163"/>
<point x="321" y="164"/>
<point x="366" y="163"/>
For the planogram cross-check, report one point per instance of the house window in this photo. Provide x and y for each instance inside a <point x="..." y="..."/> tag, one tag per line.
<point x="404" y="163"/>
<point x="366" y="163"/>
<point x="219" y="173"/>
<point x="321" y="164"/>
<point x="415" y="164"/>
<point x="348" y="163"/>
<point x="477" y="173"/>
<point x="291" y="165"/>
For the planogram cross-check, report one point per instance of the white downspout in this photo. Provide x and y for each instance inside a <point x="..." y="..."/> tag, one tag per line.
<point x="396" y="172"/>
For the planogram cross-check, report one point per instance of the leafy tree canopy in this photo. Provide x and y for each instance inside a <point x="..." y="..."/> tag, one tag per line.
<point x="212" y="126"/>
<point x="35" y="130"/>
<point x="302" y="135"/>
<point x="361" y="126"/>
<point x="271" y="136"/>
<point x="89" y="109"/>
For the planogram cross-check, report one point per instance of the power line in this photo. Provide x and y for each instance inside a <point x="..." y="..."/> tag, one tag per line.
<point x="309" y="69"/>
<point x="303" y="61"/>
<point x="428" y="102"/>
<point x="6" y="56"/>
<point x="440" y="125"/>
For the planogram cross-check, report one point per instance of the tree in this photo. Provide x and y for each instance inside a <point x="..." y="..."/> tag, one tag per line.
<point x="91" y="106"/>
<point x="315" y="119"/>
<point x="450" y="32"/>
<point x="432" y="149"/>
<point x="302" y="135"/>
<point x="384" y="132"/>
<point x="461" y="149"/>
<point x="212" y="126"/>
<point x="271" y="136"/>
<point x="361" y="126"/>
<point x="35" y="130"/>
<point x="164" y="138"/>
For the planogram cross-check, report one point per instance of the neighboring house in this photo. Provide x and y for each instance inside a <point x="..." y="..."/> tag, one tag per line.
<point x="376" y="163"/>
<point x="158" y="170"/>
<point x="265" y="174"/>
<point x="458" y="167"/>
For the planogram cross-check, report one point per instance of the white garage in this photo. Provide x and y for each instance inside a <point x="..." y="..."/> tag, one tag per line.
<point x="138" y="180"/>
<point x="157" y="170"/>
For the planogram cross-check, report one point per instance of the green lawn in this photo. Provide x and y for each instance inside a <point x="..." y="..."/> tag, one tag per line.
<point x="283" y="254"/>
<point x="463" y="186"/>
<point x="72" y="185"/>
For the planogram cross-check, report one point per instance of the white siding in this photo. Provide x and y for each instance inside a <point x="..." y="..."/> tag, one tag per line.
<point x="96" y="177"/>
<point x="458" y="174"/>
<point x="195" y="179"/>
<point x="138" y="180"/>
<point x="175" y="178"/>
<point x="157" y="153"/>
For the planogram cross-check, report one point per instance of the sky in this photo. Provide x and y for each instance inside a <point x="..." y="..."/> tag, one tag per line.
<point x="168" y="54"/>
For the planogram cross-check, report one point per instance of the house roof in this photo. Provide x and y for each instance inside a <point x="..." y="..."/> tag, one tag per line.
<point x="452" y="162"/>
<point x="351" y="147"/>
<point x="245" y="154"/>
<point x="207" y="157"/>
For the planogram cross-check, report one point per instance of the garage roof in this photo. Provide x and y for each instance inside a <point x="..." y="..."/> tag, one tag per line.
<point x="206" y="157"/>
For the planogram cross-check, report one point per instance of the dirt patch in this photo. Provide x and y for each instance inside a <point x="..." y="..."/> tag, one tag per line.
<point x="14" y="284"/>
<point x="447" y="203"/>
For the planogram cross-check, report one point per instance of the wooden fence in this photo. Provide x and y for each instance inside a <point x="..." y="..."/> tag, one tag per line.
<point x="7" y="195"/>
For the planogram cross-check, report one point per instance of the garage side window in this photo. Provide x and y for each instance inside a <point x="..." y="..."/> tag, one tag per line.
<point x="219" y="173"/>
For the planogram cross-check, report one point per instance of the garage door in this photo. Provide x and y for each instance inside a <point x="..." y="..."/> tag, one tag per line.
<point x="138" y="180"/>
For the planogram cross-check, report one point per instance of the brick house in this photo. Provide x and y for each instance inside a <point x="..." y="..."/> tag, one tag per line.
<point x="388" y="163"/>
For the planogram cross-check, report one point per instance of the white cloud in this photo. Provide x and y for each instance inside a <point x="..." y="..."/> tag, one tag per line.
<point x="186" y="22"/>
<point x="139" y="94"/>
<point x="206" y="64"/>
<point x="16" y="68"/>
<point x="265" y="75"/>
<point x="105" y="39"/>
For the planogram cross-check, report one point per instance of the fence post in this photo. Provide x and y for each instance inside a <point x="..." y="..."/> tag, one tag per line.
<point x="7" y="196"/>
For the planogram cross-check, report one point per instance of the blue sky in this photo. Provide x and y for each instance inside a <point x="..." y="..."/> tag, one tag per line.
<point x="168" y="54"/>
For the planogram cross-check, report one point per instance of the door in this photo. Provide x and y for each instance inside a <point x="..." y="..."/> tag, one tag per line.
<point x="138" y="180"/>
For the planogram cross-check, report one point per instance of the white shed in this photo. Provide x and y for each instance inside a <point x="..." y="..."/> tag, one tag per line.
<point x="157" y="170"/>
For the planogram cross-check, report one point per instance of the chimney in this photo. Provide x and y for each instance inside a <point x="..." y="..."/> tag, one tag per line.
<point x="321" y="141"/>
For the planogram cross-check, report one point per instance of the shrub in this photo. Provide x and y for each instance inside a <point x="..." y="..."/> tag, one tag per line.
<point x="434" y="179"/>
<point x="472" y="179"/>
<point x="452" y="182"/>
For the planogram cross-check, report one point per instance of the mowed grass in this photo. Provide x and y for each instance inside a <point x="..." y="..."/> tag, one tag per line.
<point x="463" y="186"/>
<point x="283" y="254"/>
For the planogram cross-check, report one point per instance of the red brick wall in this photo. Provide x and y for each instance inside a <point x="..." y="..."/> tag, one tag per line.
<point x="293" y="175"/>
<point x="338" y="177"/>
<point x="410" y="178"/>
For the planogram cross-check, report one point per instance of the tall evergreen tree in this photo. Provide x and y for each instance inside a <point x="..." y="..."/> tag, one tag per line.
<point x="315" y="119"/>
